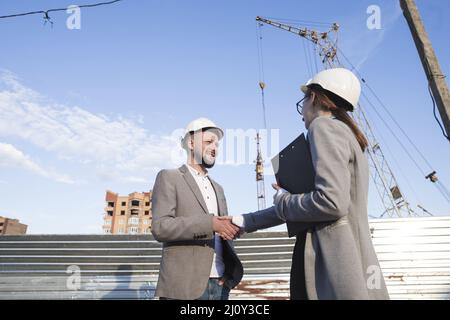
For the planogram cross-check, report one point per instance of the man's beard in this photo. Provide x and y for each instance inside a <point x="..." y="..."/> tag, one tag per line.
<point x="208" y="164"/>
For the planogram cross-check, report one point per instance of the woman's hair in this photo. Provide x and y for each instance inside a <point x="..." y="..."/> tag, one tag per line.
<point x="337" y="106"/>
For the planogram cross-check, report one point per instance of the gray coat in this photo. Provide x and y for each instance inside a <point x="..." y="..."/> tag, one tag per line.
<point x="340" y="261"/>
<point x="182" y="223"/>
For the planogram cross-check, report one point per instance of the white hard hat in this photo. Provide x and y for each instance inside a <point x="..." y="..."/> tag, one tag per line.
<point x="341" y="82"/>
<point x="201" y="124"/>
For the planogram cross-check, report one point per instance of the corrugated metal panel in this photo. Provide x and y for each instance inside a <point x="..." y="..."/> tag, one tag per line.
<point x="414" y="254"/>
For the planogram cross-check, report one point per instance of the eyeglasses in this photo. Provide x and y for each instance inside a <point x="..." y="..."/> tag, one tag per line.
<point x="300" y="105"/>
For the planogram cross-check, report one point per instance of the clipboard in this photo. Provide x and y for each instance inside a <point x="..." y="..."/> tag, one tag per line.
<point x="294" y="172"/>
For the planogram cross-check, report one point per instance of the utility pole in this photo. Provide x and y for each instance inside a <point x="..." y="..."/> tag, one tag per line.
<point x="436" y="79"/>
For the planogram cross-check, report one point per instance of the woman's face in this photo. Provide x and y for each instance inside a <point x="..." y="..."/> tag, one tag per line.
<point x="309" y="112"/>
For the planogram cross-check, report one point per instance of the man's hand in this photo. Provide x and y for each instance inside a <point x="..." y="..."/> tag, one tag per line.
<point x="225" y="228"/>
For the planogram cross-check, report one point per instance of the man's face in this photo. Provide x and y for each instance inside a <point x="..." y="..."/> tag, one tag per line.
<point x="205" y="148"/>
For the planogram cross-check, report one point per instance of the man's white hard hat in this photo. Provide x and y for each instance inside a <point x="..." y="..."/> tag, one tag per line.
<point x="339" y="81"/>
<point x="201" y="124"/>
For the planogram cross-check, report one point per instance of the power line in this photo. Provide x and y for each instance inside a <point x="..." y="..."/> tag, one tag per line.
<point x="386" y="110"/>
<point x="434" y="113"/>
<point x="381" y="103"/>
<point x="397" y="124"/>
<point x="46" y="12"/>
<point x="440" y="187"/>
<point x="438" y="184"/>
<point x="393" y="133"/>
<point x="399" y="167"/>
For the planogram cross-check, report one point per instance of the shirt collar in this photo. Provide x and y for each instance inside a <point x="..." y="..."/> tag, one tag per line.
<point x="194" y="172"/>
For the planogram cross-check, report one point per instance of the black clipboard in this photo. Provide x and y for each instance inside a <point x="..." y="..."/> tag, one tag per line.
<point x="294" y="172"/>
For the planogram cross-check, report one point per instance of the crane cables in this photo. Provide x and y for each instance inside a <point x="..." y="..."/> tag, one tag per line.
<point x="431" y="176"/>
<point x="262" y="84"/>
<point x="302" y="23"/>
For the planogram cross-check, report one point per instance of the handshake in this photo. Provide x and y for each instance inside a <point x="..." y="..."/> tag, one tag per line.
<point x="226" y="228"/>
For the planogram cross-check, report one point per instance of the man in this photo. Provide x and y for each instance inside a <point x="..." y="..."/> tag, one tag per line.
<point x="189" y="218"/>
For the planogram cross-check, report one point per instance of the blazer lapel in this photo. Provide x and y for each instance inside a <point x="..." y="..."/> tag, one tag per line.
<point x="219" y="197"/>
<point x="194" y="187"/>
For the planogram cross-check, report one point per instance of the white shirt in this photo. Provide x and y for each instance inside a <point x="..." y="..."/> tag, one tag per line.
<point x="209" y="195"/>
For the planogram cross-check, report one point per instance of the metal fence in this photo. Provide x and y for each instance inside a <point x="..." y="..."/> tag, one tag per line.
<point x="414" y="254"/>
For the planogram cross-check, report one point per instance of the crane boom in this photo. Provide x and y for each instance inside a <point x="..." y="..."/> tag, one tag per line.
<point x="323" y="39"/>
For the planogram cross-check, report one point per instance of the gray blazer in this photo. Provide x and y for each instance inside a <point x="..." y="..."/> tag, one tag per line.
<point x="340" y="261"/>
<point x="182" y="223"/>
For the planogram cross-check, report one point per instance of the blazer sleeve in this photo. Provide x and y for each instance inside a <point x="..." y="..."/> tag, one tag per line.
<point x="331" y="154"/>
<point x="263" y="219"/>
<point x="166" y="226"/>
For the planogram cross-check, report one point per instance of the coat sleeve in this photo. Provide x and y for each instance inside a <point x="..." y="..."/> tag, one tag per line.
<point x="167" y="226"/>
<point x="331" y="154"/>
<point x="263" y="219"/>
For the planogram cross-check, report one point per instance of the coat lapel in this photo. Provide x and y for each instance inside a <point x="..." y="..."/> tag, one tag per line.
<point x="194" y="187"/>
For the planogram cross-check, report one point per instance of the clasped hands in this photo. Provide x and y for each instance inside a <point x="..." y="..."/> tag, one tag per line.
<point x="224" y="226"/>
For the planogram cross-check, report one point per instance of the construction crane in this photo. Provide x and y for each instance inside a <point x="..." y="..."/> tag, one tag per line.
<point x="259" y="168"/>
<point x="393" y="200"/>
<point x="328" y="48"/>
<point x="259" y="162"/>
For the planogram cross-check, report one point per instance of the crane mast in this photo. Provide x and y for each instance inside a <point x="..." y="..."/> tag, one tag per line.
<point x="260" y="176"/>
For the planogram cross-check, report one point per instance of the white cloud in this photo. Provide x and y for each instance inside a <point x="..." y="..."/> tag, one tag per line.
<point x="13" y="158"/>
<point x="117" y="148"/>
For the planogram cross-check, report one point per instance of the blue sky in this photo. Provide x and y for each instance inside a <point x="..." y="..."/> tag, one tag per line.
<point x="82" y="111"/>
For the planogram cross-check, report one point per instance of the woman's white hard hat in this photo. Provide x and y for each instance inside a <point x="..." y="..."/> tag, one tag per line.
<point x="339" y="81"/>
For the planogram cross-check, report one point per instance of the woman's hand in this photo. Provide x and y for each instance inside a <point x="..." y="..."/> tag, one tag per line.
<point x="276" y="187"/>
<point x="279" y="192"/>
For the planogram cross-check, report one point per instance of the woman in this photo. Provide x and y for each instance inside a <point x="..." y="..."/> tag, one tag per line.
<point x="334" y="257"/>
